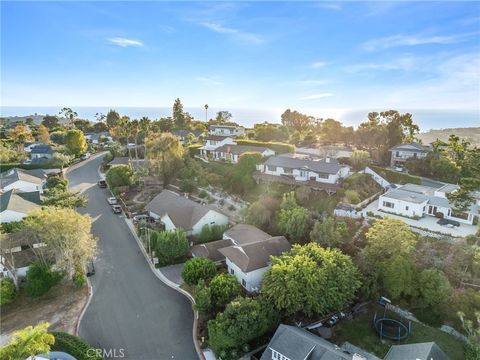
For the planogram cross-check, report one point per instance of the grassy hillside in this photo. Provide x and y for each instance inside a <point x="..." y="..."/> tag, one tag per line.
<point x="471" y="134"/>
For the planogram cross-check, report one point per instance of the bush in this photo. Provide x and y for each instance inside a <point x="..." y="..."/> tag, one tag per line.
<point x="9" y="227"/>
<point x="74" y="346"/>
<point x="203" y="298"/>
<point x="188" y="186"/>
<point x="396" y="177"/>
<point x="40" y="278"/>
<point x="56" y="181"/>
<point x="119" y="175"/>
<point x="170" y="246"/>
<point x="79" y="278"/>
<point x="211" y="233"/>
<point x="198" y="268"/>
<point x="224" y="288"/>
<point x="352" y="196"/>
<point x="203" y="194"/>
<point x="8" y="292"/>
<point x="194" y="149"/>
<point x="278" y="147"/>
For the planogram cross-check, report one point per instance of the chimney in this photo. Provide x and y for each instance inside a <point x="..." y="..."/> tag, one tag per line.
<point x="327" y="159"/>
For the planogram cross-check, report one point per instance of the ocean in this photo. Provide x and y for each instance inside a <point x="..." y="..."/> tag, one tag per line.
<point x="425" y="118"/>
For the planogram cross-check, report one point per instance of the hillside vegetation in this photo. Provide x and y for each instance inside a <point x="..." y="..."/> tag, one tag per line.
<point x="470" y="134"/>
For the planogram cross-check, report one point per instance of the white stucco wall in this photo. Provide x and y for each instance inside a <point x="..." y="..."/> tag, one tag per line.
<point x="296" y="173"/>
<point x="253" y="279"/>
<point x="228" y="131"/>
<point x="23" y="186"/>
<point x="210" y="218"/>
<point x="10" y="215"/>
<point x="402" y="207"/>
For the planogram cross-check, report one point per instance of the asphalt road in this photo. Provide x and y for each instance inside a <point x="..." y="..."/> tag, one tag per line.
<point x="131" y="308"/>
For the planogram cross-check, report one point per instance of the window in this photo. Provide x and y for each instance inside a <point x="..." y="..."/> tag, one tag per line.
<point x="232" y="271"/>
<point x="287" y="171"/>
<point x="303" y="173"/>
<point x="414" y="155"/>
<point x="322" y="176"/>
<point x="388" y="204"/>
<point x="406" y="207"/>
<point x="244" y="283"/>
<point x="277" y="356"/>
<point x="271" y="168"/>
<point x="397" y="154"/>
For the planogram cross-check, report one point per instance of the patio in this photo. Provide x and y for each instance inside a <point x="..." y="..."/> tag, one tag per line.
<point x="427" y="222"/>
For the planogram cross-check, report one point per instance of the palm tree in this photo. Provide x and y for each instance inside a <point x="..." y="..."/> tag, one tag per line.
<point x="206" y="112"/>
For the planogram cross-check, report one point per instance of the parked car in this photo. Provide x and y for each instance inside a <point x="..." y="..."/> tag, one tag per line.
<point x="448" y="222"/>
<point x="117" y="209"/>
<point x="85" y="156"/>
<point x="112" y="200"/>
<point x="27" y="162"/>
<point x="102" y="184"/>
<point x="143" y="217"/>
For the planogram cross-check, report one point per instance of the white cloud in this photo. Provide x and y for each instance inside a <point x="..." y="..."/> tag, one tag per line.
<point x="318" y="65"/>
<point x="125" y="42"/>
<point x="316" y="96"/>
<point x="329" y="6"/>
<point x="403" y="64"/>
<point x="238" y="34"/>
<point x="312" y="82"/>
<point x="207" y="80"/>
<point x="413" y="40"/>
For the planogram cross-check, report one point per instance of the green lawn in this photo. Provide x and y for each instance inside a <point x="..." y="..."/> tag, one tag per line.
<point x="361" y="333"/>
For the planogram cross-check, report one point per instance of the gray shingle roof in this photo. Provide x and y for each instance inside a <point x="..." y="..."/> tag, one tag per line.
<point x="240" y="149"/>
<point x="403" y="195"/>
<point x="243" y="234"/>
<point x="32" y="176"/>
<point x="42" y="149"/>
<point x="183" y="212"/>
<point x="299" y="344"/>
<point x="318" y="166"/>
<point x="22" y="202"/>
<point x="217" y="137"/>
<point x="410" y="147"/>
<point x="256" y="255"/>
<point x="210" y="250"/>
<point x="420" y="351"/>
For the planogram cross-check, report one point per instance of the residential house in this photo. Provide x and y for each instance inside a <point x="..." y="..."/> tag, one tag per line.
<point x="249" y="262"/>
<point x="182" y="134"/>
<point x="226" y="130"/>
<point x="15" y="204"/>
<point x="125" y="160"/>
<point x="325" y="151"/>
<point x="97" y="138"/>
<point x="303" y="170"/>
<point x="28" y="146"/>
<point x="401" y="153"/>
<point x="246" y="250"/>
<point x="419" y="351"/>
<point x="232" y="153"/>
<point x="178" y="212"/>
<point x="23" y="180"/>
<point x="414" y="201"/>
<point x="18" y="253"/>
<point x="42" y="151"/>
<point x="213" y="142"/>
<point x="294" y="343"/>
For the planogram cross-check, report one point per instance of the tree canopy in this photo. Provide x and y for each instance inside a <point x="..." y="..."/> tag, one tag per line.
<point x="119" y="175"/>
<point x="75" y="142"/>
<point x="165" y="154"/>
<point x="29" y="341"/>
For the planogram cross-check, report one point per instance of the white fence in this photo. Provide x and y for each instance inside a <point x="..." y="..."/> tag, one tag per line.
<point x="380" y="180"/>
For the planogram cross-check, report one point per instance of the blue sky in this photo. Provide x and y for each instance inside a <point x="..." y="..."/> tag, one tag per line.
<point x="303" y="55"/>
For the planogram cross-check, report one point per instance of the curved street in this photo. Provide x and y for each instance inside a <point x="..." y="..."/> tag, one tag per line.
<point x="132" y="312"/>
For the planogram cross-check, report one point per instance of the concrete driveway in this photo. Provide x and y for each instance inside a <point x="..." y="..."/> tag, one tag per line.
<point x="132" y="312"/>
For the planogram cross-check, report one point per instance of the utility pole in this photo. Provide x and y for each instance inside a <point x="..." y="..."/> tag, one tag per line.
<point x="206" y="112"/>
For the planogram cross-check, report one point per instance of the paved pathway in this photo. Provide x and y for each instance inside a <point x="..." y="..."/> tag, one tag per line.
<point x="131" y="308"/>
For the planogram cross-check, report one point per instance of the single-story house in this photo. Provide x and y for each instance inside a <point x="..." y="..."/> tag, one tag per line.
<point x="30" y="145"/>
<point x="178" y="212"/>
<point x="15" y="204"/>
<point x="402" y="152"/>
<point x="17" y="254"/>
<point x="249" y="262"/>
<point x="419" y="351"/>
<point x="304" y="169"/>
<point x="213" y="142"/>
<point x="41" y="151"/>
<point x="232" y="153"/>
<point x="23" y="180"/>
<point x="294" y="343"/>
<point x="97" y="138"/>
<point x="414" y="201"/>
<point x="226" y="130"/>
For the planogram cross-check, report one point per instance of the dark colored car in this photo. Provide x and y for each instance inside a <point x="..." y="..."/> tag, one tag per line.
<point x="448" y="222"/>
<point x="102" y="184"/>
<point x="117" y="209"/>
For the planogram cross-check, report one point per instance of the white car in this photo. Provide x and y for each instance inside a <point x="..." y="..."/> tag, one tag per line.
<point x="85" y="156"/>
<point x="112" y="200"/>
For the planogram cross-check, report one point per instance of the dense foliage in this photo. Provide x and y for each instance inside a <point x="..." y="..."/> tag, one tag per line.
<point x="27" y="342"/>
<point x="40" y="278"/>
<point x="211" y="233"/>
<point x="198" y="268"/>
<point x="8" y="292"/>
<point x="74" y="346"/>
<point x="119" y="175"/>
<point x="170" y="246"/>
<point x="311" y="280"/>
<point x="224" y="288"/>
<point x="75" y="142"/>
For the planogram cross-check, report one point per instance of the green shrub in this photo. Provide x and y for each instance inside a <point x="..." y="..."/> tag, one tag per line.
<point x="194" y="149"/>
<point x="211" y="233"/>
<point x="170" y="246"/>
<point x="278" y="147"/>
<point x="203" y="298"/>
<point x="74" y="346"/>
<point x="119" y="175"/>
<point x="40" y="278"/>
<point x="224" y="288"/>
<point x="188" y="186"/>
<point x="198" y="268"/>
<point x="203" y="194"/>
<point x="8" y="292"/>
<point x="79" y="277"/>
<point x="352" y="196"/>
<point x="10" y="227"/>
<point x="396" y="177"/>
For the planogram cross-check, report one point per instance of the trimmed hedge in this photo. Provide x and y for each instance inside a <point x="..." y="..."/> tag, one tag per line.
<point x="278" y="147"/>
<point x="8" y="166"/>
<point x="74" y="346"/>
<point x="396" y="177"/>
